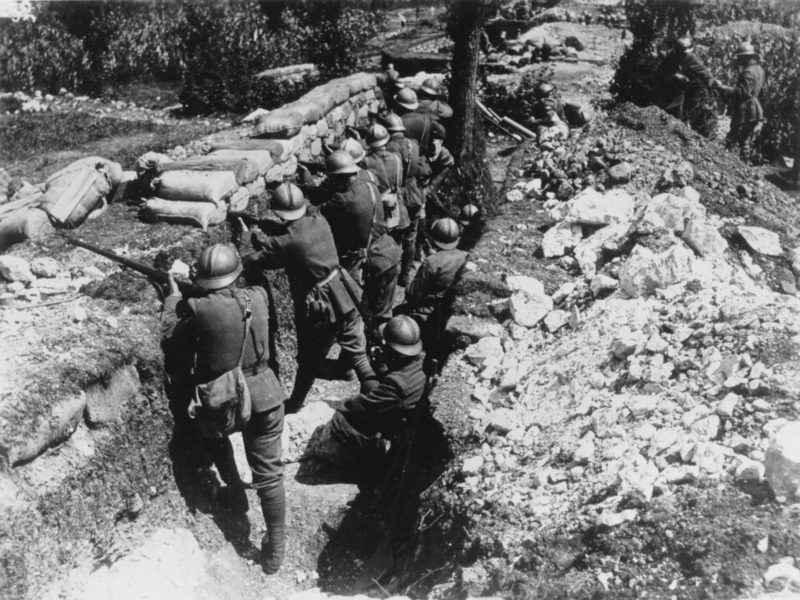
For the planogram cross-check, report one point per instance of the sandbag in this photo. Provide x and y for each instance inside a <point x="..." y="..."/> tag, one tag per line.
<point x="279" y="124"/>
<point x="272" y="146"/>
<point x="244" y="169"/>
<point x="150" y="161"/>
<point x="310" y="111"/>
<point x="239" y="200"/>
<point x="199" y="214"/>
<point x="340" y="92"/>
<point x="325" y="102"/>
<point x="261" y="158"/>
<point x="195" y="186"/>
<point x="73" y="195"/>
<point x="112" y="169"/>
<point x="353" y="84"/>
<point x="24" y="224"/>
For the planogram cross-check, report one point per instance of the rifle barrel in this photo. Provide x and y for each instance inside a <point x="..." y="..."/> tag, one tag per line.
<point x="153" y="274"/>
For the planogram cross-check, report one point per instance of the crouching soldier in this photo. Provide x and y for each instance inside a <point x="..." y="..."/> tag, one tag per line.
<point x="324" y="308"/>
<point x="226" y="332"/>
<point x="368" y="419"/>
<point x="430" y="293"/>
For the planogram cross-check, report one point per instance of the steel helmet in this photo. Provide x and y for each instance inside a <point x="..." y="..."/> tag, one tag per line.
<point x="402" y="335"/>
<point x="445" y="233"/>
<point x="468" y="213"/>
<point x="684" y="44"/>
<point x="340" y="163"/>
<point x="745" y="49"/>
<point x="407" y="98"/>
<point x="288" y="202"/>
<point x="543" y="89"/>
<point x="377" y="136"/>
<point x="217" y="267"/>
<point x="354" y="149"/>
<point x="393" y="123"/>
<point x="431" y="87"/>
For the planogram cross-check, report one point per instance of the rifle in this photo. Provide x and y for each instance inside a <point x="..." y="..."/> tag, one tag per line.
<point x="156" y="276"/>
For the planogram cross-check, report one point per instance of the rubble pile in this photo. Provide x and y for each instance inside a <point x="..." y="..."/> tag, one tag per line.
<point x="628" y="412"/>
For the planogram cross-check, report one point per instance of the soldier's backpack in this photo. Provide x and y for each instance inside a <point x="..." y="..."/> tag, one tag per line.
<point x="223" y="405"/>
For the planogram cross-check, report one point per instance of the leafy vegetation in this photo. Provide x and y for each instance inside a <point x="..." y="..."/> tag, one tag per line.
<point x="214" y="49"/>
<point x="655" y="24"/>
<point x="516" y="101"/>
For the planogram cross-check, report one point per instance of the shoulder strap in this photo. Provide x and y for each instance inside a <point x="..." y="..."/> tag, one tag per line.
<point x="399" y="170"/>
<point x="248" y="314"/>
<point x="374" y="199"/>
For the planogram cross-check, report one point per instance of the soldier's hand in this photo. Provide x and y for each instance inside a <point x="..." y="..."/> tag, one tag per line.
<point x="174" y="290"/>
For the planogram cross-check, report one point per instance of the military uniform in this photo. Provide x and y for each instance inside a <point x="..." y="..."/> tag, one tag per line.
<point x="673" y="91"/>
<point x="362" y="241"/>
<point x="384" y="410"/>
<point x="211" y="328"/>
<point x="423" y="128"/>
<point x="416" y="168"/>
<point x="549" y="115"/>
<point x="429" y="295"/>
<point x="439" y="109"/>
<point x="306" y="250"/>
<point x="389" y="171"/>
<point x="748" y="115"/>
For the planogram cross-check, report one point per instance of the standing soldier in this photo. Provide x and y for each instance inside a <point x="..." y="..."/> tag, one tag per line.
<point x="324" y="309"/>
<point x="415" y="168"/>
<point x="356" y="149"/>
<point x="429" y="295"/>
<point x="388" y="167"/>
<point x="430" y="101"/>
<point x="422" y="128"/>
<point x="354" y="211"/>
<point x="748" y="116"/>
<point x="681" y="73"/>
<point x="224" y="329"/>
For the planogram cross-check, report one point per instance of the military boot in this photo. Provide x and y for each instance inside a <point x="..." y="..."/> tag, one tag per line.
<point x="306" y="374"/>
<point x="273" y="544"/>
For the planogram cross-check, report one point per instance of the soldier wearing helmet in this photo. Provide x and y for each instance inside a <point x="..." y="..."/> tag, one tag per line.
<point x="226" y="327"/>
<point x="365" y="421"/>
<point x="547" y="118"/>
<point x="430" y="101"/>
<point x="324" y="310"/>
<point x="415" y="170"/>
<point x="355" y="213"/>
<point x="423" y="128"/>
<point x="747" y="115"/>
<point x="682" y="76"/>
<point x="430" y="294"/>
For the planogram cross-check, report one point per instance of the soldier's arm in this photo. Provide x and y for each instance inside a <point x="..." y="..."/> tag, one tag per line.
<point x="269" y="254"/>
<point x="416" y="290"/>
<point x="694" y="69"/>
<point x="440" y="165"/>
<point x="745" y="85"/>
<point x="176" y="319"/>
<point x="382" y="399"/>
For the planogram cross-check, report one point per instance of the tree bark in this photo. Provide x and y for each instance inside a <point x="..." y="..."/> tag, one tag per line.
<point x="466" y="21"/>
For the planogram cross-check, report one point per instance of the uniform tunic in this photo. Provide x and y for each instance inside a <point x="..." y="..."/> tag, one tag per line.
<point x="384" y="409"/>
<point x="435" y="278"/>
<point x="747" y="110"/>
<point x="422" y="128"/>
<point x="673" y="92"/>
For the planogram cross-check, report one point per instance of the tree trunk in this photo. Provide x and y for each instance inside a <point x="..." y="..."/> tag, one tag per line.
<point x="466" y="21"/>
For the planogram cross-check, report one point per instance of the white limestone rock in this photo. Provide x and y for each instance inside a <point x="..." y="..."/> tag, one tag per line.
<point x="782" y="461"/>
<point x="591" y="207"/>
<point x="645" y="271"/>
<point x="761" y="240"/>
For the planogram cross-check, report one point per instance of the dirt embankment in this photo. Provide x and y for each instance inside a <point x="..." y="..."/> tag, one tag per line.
<point x="614" y="433"/>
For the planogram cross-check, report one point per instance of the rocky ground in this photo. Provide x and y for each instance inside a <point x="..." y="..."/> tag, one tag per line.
<point x="619" y="421"/>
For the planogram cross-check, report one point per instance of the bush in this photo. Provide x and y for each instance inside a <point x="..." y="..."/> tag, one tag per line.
<point x="215" y="49"/>
<point x="655" y="24"/>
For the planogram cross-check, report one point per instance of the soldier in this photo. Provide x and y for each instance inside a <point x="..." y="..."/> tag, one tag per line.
<point x="356" y="149"/>
<point x="386" y="408"/>
<point x="353" y="209"/>
<point x="429" y="295"/>
<point x="226" y="328"/>
<point x="748" y="115"/>
<point x="548" y="114"/>
<point x="324" y="308"/>
<point x="415" y="168"/>
<point x="388" y="167"/>
<point x="422" y="128"/>
<point x="680" y="73"/>
<point x="430" y="101"/>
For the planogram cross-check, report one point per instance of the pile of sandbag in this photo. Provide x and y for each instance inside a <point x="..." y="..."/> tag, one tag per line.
<point x="200" y="190"/>
<point x="66" y="199"/>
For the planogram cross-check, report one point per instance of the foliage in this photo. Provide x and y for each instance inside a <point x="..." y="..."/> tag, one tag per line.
<point x="517" y="101"/>
<point x="655" y="24"/>
<point x="214" y="48"/>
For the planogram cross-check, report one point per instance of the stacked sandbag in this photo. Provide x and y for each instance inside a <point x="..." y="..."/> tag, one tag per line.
<point x="113" y="170"/>
<point x="24" y="224"/>
<point x="319" y="117"/>
<point x="74" y="192"/>
<point x="199" y="214"/>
